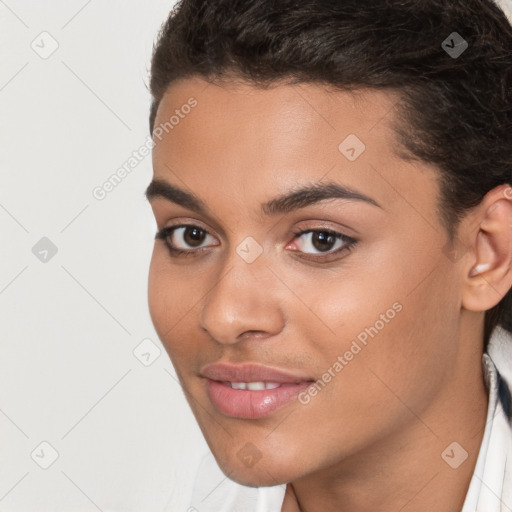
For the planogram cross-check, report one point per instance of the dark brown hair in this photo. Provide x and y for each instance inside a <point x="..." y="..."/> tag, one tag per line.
<point x="455" y="110"/>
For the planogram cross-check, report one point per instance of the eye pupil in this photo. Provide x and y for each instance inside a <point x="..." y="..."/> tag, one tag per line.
<point x="194" y="236"/>
<point x="323" y="241"/>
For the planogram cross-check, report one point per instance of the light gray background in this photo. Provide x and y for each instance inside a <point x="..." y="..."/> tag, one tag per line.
<point x="125" y="437"/>
<point x="69" y="326"/>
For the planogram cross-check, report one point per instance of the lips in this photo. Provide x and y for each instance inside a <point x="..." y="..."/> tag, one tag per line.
<point x="251" y="391"/>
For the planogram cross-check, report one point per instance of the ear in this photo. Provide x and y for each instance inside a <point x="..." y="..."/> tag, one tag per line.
<point x="489" y="270"/>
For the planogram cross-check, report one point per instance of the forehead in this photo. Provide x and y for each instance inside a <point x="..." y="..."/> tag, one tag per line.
<point x="272" y="127"/>
<point x="279" y="110"/>
<point x="239" y="139"/>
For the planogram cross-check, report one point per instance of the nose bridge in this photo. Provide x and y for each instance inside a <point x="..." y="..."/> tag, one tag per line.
<point x="241" y="299"/>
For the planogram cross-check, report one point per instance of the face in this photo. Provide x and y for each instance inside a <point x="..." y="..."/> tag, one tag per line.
<point x="332" y="302"/>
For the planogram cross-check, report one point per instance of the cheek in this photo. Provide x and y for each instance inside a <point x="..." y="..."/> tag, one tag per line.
<point x="174" y="305"/>
<point x="167" y="300"/>
<point x="398" y="320"/>
<point x="408" y="350"/>
<point x="157" y="284"/>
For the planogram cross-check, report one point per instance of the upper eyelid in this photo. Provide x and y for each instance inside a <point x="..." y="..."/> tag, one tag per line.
<point x="178" y="226"/>
<point x="297" y="233"/>
<point x="342" y="230"/>
<point x="318" y="258"/>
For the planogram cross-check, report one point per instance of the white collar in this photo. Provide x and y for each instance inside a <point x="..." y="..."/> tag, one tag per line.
<point x="490" y="489"/>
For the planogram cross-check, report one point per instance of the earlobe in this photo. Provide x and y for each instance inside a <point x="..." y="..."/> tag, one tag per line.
<point x="490" y="276"/>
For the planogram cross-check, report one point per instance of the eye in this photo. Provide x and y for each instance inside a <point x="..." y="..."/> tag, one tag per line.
<point x="183" y="239"/>
<point x="323" y="241"/>
<point x="318" y="244"/>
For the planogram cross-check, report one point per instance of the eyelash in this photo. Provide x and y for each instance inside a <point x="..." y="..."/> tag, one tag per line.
<point x="166" y="232"/>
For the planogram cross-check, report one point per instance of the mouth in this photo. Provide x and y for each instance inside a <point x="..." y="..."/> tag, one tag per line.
<point x="251" y="391"/>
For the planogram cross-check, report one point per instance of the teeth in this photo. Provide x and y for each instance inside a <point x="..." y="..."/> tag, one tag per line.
<point x="254" y="386"/>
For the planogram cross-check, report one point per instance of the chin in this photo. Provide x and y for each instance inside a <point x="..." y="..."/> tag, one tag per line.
<point x="253" y="478"/>
<point x="260" y="474"/>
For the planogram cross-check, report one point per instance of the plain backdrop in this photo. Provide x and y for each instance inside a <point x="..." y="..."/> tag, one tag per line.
<point x="91" y="415"/>
<point x="73" y="108"/>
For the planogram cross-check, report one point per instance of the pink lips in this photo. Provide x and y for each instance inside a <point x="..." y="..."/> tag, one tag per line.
<point x="247" y="403"/>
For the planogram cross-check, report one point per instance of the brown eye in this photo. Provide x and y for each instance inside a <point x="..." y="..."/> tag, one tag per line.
<point x="316" y="241"/>
<point x="323" y="240"/>
<point x="184" y="239"/>
<point x="193" y="236"/>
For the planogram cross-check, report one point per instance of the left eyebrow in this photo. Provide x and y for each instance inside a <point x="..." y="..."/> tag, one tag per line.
<point x="296" y="199"/>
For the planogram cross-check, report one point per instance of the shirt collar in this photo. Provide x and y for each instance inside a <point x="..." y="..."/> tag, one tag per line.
<point x="490" y="489"/>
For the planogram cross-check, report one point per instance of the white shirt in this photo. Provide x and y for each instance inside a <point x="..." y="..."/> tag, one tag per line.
<point x="490" y="489"/>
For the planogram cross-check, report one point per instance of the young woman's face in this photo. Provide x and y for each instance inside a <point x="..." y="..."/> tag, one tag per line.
<point x="365" y="302"/>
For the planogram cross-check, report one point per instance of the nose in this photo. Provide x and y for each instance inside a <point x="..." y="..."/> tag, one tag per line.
<point x="244" y="299"/>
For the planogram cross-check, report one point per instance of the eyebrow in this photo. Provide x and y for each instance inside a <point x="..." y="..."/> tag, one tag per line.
<point x="296" y="199"/>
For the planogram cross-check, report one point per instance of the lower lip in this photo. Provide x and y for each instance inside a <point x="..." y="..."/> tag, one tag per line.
<point x="247" y="404"/>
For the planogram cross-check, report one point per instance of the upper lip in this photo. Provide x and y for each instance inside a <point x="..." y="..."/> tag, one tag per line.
<point x="249" y="373"/>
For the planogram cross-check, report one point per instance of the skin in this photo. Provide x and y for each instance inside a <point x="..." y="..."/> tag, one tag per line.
<point x="372" y="439"/>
